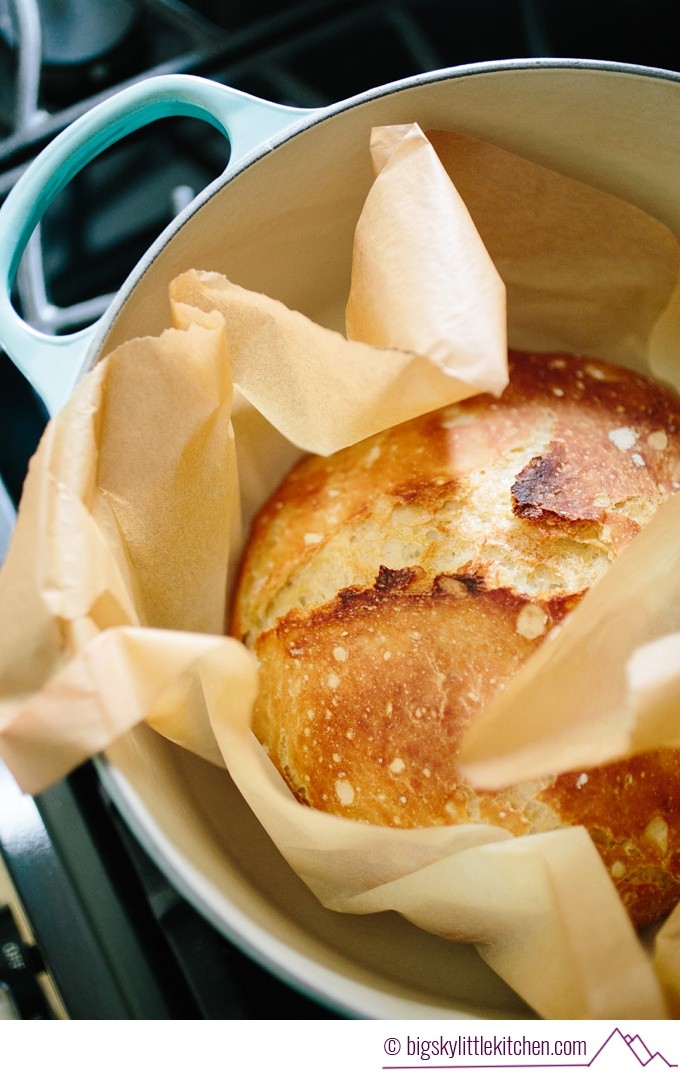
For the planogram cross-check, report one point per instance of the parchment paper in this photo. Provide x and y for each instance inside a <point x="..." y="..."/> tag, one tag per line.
<point x="113" y="595"/>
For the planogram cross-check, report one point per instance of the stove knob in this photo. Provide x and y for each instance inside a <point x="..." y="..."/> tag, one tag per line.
<point x="21" y="995"/>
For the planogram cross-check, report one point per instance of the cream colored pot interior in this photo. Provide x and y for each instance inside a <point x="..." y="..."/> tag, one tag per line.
<point x="284" y="226"/>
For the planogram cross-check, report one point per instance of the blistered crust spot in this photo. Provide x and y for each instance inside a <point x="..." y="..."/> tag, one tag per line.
<point x="546" y="489"/>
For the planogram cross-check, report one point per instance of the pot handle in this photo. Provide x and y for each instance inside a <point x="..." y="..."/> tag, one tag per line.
<point x="52" y="364"/>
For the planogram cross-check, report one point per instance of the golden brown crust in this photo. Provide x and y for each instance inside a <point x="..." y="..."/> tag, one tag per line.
<point x="390" y="591"/>
<point x="377" y="710"/>
<point x="632" y="811"/>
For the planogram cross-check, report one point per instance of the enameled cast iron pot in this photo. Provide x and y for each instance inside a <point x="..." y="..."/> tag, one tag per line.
<point x="280" y="220"/>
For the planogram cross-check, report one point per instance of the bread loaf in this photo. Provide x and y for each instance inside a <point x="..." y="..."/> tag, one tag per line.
<point x="391" y="590"/>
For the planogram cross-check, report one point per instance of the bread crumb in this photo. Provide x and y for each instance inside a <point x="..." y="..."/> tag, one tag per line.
<point x="595" y="372"/>
<point x="372" y="456"/>
<point x="623" y="437"/>
<point x="397" y="766"/>
<point x="658" y="440"/>
<point x="637" y="459"/>
<point x="427" y="771"/>
<point x="657" y="832"/>
<point x="312" y="538"/>
<point x="337" y="758"/>
<point x="333" y="680"/>
<point x="387" y="655"/>
<point x="531" y="622"/>
<point x="557" y="391"/>
<point x="582" y="780"/>
<point x="344" y="792"/>
<point x="617" y="869"/>
<point x="340" y="653"/>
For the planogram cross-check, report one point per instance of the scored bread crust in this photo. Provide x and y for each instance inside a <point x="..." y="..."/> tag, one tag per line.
<point x="391" y="590"/>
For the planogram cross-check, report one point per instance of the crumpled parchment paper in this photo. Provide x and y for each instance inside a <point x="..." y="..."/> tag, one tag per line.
<point x="135" y="511"/>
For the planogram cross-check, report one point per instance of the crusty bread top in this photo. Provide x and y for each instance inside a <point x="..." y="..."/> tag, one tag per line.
<point x="390" y="591"/>
<point x="536" y="492"/>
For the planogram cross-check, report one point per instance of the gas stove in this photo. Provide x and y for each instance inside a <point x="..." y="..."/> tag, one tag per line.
<point x="105" y="926"/>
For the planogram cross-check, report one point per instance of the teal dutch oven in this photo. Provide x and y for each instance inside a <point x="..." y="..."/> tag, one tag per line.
<point x="280" y="220"/>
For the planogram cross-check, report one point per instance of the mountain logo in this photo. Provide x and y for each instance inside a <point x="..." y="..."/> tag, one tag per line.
<point x="630" y="1043"/>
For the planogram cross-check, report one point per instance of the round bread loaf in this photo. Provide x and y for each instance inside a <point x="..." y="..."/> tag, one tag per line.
<point x="391" y="590"/>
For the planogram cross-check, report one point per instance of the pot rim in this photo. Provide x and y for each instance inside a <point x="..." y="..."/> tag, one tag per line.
<point x="321" y="115"/>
